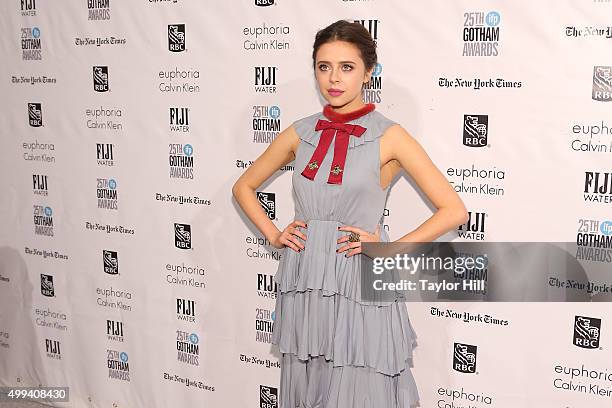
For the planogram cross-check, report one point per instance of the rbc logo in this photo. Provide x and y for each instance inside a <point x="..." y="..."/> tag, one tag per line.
<point x="464" y="358"/>
<point x="587" y="331"/>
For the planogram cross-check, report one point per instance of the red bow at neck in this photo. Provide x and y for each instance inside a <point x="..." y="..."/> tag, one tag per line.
<point x="343" y="132"/>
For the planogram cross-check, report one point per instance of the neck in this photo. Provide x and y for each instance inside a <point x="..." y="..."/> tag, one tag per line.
<point x="346" y="116"/>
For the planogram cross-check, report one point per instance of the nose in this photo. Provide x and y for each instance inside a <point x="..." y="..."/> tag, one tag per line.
<point x="335" y="75"/>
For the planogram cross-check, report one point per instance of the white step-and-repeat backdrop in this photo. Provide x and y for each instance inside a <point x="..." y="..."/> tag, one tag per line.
<point x="129" y="273"/>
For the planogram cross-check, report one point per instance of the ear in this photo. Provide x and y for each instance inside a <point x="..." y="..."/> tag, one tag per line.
<point x="368" y="75"/>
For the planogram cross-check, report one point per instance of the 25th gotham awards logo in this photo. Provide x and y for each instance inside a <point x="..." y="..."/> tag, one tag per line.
<point x="118" y="366"/>
<point x="35" y="114"/>
<point x="464" y="358"/>
<point x="31" y="45"/>
<point x="176" y="37"/>
<point x="475" y="130"/>
<point x="264" y="325"/>
<point x="594" y="241"/>
<point x="110" y="262"/>
<point x="268" y="396"/>
<point x="100" y="78"/>
<point x="268" y="203"/>
<point x="481" y="33"/>
<point x="98" y="10"/>
<point x="180" y="158"/>
<point x="187" y="347"/>
<point x="587" y="332"/>
<point x="46" y="285"/>
<point x="602" y="83"/>
<point x="43" y="220"/>
<point x="182" y="236"/>
<point x="266" y="123"/>
<point x="106" y="193"/>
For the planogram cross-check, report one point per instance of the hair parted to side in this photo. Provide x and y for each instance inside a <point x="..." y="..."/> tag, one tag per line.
<point x="353" y="33"/>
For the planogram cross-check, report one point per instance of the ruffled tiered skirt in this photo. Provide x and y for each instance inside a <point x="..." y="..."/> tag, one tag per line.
<point x="338" y="351"/>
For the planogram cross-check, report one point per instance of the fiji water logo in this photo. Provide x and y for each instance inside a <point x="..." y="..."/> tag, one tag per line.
<point x="28" y="8"/>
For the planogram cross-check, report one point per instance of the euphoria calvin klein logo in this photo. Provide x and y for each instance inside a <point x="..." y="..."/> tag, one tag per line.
<point x="114" y="330"/>
<point x="176" y="37"/>
<point x="111" y="262"/>
<point x="98" y="10"/>
<point x="35" y="114"/>
<point x="100" y="78"/>
<point x="40" y="185"/>
<point x="179" y="119"/>
<point x="31" y="47"/>
<point x="266" y="123"/>
<point x="268" y="397"/>
<point x="372" y="27"/>
<point x="464" y="358"/>
<point x="268" y="202"/>
<point x="265" y="79"/>
<point x="481" y="34"/>
<point x="28" y="8"/>
<point x="43" y="220"/>
<point x="106" y="192"/>
<point x="118" y="366"/>
<point x="474" y="228"/>
<point x="185" y="310"/>
<point x="586" y="332"/>
<point x="46" y="285"/>
<point x="104" y="154"/>
<point x="187" y="347"/>
<point x="475" y="130"/>
<point x="180" y="158"/>
<point x="52" y="348"/>
<point x="182" y="236"/>
<point x="597" y="187"/>
<point x="602" y="83"/>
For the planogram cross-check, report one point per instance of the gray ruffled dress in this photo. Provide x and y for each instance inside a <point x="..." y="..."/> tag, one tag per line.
<point x="339" y="351"/>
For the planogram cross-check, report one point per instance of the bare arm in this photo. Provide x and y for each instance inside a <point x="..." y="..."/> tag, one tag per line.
<point x="451" y="212"/>
<point x="276" y="155"/>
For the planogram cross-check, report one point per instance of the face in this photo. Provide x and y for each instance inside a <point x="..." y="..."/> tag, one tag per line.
<point x="340" y="73"/>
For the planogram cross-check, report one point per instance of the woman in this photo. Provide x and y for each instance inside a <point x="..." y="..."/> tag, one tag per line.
<point x="337" y="350"/>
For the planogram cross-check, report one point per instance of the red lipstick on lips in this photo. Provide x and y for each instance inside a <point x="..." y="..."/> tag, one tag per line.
<point x="334" y="92"/>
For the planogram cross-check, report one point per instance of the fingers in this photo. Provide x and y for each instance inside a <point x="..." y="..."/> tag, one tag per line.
<point x="349" y="246"/>
<point x="292" y="242"/>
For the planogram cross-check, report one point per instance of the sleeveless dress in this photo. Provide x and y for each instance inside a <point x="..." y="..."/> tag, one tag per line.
<point x="337" y="350"/>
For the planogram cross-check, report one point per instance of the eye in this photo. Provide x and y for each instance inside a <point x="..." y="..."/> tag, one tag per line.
<point x="349" y="66"/>
<point x="322" y="66"/>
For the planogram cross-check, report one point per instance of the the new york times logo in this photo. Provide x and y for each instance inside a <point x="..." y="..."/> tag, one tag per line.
<point x="475" y="130"/>
<point x="46" y="285"/>
<point x="182" y="236"/>
<point x="464" y="358"/>
<point x="602" y="83"/>
<point x="35" y="114"/>
<point x="268" y="397"/>
<point x="111" y="262"/>
<point x="268" y="203"/>
<point x="176" y="37"/>
<point x="100" y="78"/>
<point x="587" y="331"/>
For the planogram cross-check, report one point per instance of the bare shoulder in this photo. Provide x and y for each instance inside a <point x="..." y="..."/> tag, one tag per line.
<point x="395" y="139"/>
<point x="287" y="140"/>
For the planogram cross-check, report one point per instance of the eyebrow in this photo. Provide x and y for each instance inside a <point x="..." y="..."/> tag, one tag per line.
<point x="341" y="62"/>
